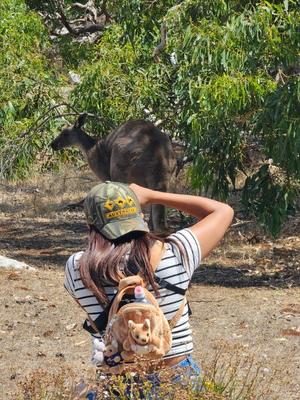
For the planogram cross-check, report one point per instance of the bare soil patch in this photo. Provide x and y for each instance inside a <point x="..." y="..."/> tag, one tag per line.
<point x="245" y="297"/>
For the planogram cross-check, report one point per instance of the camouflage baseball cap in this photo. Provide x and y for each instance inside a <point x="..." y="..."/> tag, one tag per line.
<point x="114" y="209"/>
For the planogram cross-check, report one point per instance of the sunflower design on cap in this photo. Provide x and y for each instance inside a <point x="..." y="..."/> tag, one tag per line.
<point x="109" y="204"/>
<point x="130" y="201"/>
<point x="120" y="202"/>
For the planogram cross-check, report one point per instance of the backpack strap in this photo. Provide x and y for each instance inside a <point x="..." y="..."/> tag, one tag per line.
<point x="93" y="328"/>
<point x="165" y="284"/>
<point x="126" y="285"/>
<point x="134" y="269"/>
<point x="154" y="261"/>
<point x="173" y="321"/>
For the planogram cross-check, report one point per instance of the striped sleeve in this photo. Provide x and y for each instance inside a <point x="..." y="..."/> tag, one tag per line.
<point x="69" y="275"/>
<point x="187" y="250"/>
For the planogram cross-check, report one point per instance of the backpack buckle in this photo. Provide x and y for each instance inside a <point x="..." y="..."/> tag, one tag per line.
<point x="162" y="282"/>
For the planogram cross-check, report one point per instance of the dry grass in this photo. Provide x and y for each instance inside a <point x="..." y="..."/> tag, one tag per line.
<point x="240" y="375"/>
<point x="221" y="382"/>
<point x="44" y="234"/>
<point x="45" y="195"/>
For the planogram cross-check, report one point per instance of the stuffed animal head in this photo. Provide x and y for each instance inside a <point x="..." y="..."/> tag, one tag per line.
<point x="110" y="349"/>
<point x="140" y="332"/>
<point x="111" y="355"/>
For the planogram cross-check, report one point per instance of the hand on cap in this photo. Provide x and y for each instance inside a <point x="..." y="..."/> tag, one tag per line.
<point x="143" y="194"/>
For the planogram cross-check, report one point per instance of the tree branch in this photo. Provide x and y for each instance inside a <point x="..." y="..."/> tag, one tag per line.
<point x="88" y="27"/>
<point x="163" y="42"/>
<point x="89" y="8"/>
<point x="37" y="124"/>
<point x="180" y="163"/>
<point x="79" y="5"/>
<point x="63" y="18"/>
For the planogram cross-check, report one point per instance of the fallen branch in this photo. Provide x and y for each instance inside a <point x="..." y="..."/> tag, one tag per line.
<point x="240" y="223"/>
<point x="207" y="301"/>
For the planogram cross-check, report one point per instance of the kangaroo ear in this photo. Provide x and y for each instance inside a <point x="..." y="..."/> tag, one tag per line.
<point x="80" y="120"/>
<point x="146" y="324"/>
<point x="131" y="324"/>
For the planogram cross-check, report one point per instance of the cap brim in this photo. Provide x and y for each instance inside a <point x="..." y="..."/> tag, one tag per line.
<point x="116" y="229"/>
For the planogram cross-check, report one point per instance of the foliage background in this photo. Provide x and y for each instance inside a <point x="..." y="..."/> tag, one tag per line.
<point x="226" y="84"/>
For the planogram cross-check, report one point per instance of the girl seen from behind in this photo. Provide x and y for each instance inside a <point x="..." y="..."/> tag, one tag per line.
<point x="120" y="246"/>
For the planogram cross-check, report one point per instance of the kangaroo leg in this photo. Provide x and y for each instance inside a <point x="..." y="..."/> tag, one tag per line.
<point x="158" y="218"/>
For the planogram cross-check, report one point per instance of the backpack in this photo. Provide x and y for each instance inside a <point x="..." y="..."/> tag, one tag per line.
<point x="138" y="329"/>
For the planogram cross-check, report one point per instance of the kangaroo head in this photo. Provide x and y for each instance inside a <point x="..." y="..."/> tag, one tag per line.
<point x="140" y="332"/>
<point x="71" y="135"/>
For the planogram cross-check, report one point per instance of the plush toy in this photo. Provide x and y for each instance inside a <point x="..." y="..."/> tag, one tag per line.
<point x="142" y="350"/>
<point x="112" y="356"/>
<point x="139" y="341"/>
<point x="139" y="327"/>
<point x="139" y="338"/>
<point x="98" y="352"/>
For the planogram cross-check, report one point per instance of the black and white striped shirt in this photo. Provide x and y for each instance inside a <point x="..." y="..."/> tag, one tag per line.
<point x="173" y="267"/>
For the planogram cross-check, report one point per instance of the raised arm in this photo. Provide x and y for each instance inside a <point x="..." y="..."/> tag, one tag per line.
<point x="213" y="216"/>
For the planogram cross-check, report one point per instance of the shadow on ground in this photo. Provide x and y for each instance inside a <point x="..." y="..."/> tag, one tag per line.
<point x="245" y="277"/>
<point x="49" y="241"/>
<point x="40" y="243"/>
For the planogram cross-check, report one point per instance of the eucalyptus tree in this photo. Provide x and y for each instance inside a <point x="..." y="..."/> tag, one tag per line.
<point x="27" y="86"/>
<point x="223" y="77"/>
<point x="220" y="76"/>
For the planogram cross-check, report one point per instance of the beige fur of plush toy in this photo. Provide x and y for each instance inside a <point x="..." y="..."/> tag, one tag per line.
<point x="110" y="349"/>
<point x="139" y="337"/>
<point x="138" y="319"/>
<point x="140" y="341"/>
<point x="111" y="355"/>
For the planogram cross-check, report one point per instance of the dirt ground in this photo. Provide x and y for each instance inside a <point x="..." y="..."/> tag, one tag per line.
<point x="245" y="297"/>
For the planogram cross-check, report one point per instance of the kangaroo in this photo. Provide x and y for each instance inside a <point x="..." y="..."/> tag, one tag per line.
<point x="135" y="152"/>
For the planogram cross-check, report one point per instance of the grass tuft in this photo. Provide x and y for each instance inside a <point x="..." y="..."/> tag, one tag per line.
<point x="237" y="379"/>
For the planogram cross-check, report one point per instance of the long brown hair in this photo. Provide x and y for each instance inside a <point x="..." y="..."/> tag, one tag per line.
<point x="106" y="261"/>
